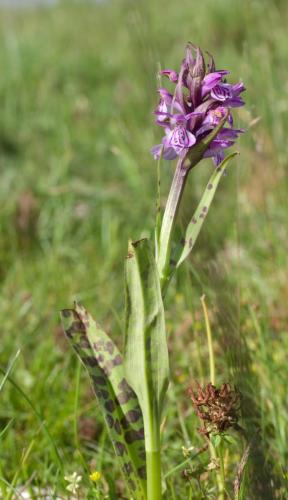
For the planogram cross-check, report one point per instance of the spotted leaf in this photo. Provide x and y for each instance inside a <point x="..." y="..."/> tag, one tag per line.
<point x="117" y="400"/>
<point x="195" y="225"/>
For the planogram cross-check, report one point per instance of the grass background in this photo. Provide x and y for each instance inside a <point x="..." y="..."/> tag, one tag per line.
<point x="77" y="91"/>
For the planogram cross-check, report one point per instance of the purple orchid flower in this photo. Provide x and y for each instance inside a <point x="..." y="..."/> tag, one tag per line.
<point x="201" y="99"/>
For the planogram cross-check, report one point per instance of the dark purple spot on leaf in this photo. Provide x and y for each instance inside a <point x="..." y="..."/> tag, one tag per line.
<point x="76" y="327"/>
<point x="124" y="423"/>
<point x="117" y="427"/>
<point x="120" y="448"/>
<point x="130" y="417"/>
<point x="132" y="485"/>
<point x="117" y="360"/>
<point x="133" y="435"/>
<point x="98" y="393"/>
<point x="90" y="361"/>
<point x="98" y="380"/>
<point x="109" y="347"/>
<point x="98" y="345"/>
<point x="123" y="385"/>
<point x="133" y="415"/>
<point x="108" y="367"/>
<point x="104" y="394"/>
<point x="127" y="468"/>
<point x="123" y="397"/>
<point x="110" y="406"/>
<point x="109" y="420"/>
<point x="142" y="472"/>
<point x="84" y="343"/>
<point x="126" y="394"/>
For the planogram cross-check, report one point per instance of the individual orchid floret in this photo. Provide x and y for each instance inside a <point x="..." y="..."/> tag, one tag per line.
<point x="201" y="99"/>
<point x="211" y="80"/>
<point x="228" y="94"/>
<point x="172" y="75"/>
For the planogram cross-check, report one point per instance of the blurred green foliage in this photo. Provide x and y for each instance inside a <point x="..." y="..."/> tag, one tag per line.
<point x="77" y="90"/>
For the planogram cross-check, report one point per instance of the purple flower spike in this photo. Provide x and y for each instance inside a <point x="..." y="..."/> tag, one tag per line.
<point x="199" y="103"/>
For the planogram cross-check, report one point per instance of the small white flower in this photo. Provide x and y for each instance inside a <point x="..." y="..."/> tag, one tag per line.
<point x="73" y="480"/>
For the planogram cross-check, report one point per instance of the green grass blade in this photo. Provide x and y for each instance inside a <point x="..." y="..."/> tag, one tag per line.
<point x="9" y="485"/>
<point x="146" y="353"/>
<point x="24" y="459"/>
<point x="195" y="225"/>
<point x="39" y="417"/>
<point x="9" y="369"/>
<point x="6" y="427"/>
<point x="117" y="400"/>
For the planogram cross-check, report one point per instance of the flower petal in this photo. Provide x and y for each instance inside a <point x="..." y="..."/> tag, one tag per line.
<point x="212" y="79"/>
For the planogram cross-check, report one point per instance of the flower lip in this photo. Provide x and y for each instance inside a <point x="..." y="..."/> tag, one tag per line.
<point x="227" y="92"/>
<point x="221" y="92"/>
<point x="180" y="139"/>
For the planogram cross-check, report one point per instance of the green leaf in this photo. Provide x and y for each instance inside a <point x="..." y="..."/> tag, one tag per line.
<point x="117" y="400"/>
<point x="216" y="440"/>
<point x="146" y="354"/>
<point x="229" y="439"/>
<point x="195" y="225"/>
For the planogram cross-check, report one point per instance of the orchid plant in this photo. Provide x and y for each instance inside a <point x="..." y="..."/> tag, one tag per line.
<point x="197" y="123"/>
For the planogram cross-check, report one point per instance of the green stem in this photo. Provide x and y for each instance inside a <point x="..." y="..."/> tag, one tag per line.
<point x="187" y="461"/>
<point x="209" y="341"/>
<point x="153" y="457"/>
<point x="169" y="219"/>
<point x="154" y="485"/>
<point x="220" y="476"/>
<point x="222" y="471"/>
